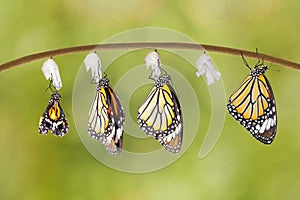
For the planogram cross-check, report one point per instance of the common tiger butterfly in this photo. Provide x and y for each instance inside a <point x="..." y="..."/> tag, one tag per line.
<point x="253" y="104"/>
<point x="106" y="118"/>
<point x="53" y="118"/>
<point x="160" y="115"/>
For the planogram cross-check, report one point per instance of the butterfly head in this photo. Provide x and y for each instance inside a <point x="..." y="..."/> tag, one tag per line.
<point x="55" y="97"/>
<point x="103" y="83"/>
<point x="162" y="80"/>
<point x="256" y="71"/>
<point x="259" y="69"/>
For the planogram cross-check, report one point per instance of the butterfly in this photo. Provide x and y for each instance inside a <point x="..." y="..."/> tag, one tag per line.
<point x="106" y="118"/>
<point x="53" y="118"/>
<point x="253" y="104"/>
<point x="160" y="115"/>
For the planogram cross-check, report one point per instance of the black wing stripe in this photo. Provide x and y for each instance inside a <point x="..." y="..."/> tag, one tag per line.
<point x="244" y="85"/>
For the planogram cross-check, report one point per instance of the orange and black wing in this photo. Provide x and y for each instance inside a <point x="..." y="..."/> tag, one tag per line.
<point x="160" y="116"/>
<point x="106" y="119"/>
<point x="253" y="105"/>
<point x="53" y="118"/>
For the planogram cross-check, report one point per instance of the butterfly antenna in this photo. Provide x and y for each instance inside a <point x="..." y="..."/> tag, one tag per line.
<point x="245" y="61"/>
<point x="277" y="70"/>
<point x="258" y="60"/>
<point x="104" y="74"/>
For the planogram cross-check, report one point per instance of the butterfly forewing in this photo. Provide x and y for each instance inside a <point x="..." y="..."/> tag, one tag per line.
<point x="98" y="117"/>
<point x="253" y="105"/>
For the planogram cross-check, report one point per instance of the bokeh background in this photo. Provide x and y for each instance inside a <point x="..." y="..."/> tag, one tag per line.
<point x="46" y="167"/>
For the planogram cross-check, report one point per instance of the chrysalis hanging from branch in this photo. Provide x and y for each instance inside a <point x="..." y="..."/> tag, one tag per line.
<point x="50" y="71"/>
<point x="152" y="60"/>
<point x="93" y="62"/>
<point x="206" y="66"/>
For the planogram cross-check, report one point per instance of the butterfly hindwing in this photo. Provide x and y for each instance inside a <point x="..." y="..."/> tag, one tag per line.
<point x="160" y="115"/>
<point x="173" y="141"/>
<point x="106" y="118"/>
<point x="253" y="105"/>
<point x="53" y="118"/>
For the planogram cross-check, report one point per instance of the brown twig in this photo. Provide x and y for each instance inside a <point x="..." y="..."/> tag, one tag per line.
<point x="129" y="46"/>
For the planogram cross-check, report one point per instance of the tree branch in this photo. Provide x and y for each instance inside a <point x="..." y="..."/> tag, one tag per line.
<point x="124" y="46"/>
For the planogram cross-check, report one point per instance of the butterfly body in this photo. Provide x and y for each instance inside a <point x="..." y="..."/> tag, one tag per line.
<point x="106" y="118"/>
<point x="53" y="118"/>
<point x="253" y="105"/>
<point x="160" y="115"/>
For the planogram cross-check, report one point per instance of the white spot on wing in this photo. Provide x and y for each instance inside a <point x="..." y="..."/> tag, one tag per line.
<point x="269" y="124"/>
<point x="119" y="133"/>
<point x="263" y="127"/>
<point x="257" y="126"/>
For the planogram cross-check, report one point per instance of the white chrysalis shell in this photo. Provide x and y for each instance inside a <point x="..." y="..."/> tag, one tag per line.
<point x="93" y="62"/>
<point x="152" y="60"/>
<point x="206" y="66"/>
<point x="50" y="70"/>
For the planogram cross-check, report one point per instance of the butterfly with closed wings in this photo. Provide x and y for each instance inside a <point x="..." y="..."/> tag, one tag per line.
<point x="160" y="115"/>
<point x="53" y="118"/>
<point x="106" y="118"/>
<point x="253" y="104"/>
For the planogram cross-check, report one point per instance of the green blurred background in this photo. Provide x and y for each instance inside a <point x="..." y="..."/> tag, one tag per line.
<point x="35" y="167"/>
